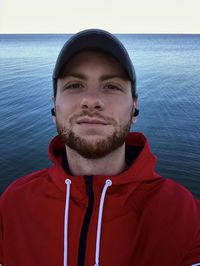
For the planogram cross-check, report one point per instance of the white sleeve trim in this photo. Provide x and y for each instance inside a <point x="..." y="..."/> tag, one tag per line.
<point x="196" y="264"/>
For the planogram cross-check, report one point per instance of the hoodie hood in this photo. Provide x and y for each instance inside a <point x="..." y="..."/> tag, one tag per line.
<point x="142" y="163"/>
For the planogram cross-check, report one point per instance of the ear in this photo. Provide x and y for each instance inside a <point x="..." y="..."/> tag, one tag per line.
<point x="135" y="105"/>
<point x="54" y="106"/>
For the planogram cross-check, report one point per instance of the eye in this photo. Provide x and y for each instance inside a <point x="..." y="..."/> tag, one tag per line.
<point x="112" y="87"/>
<point x="73" y="86"/>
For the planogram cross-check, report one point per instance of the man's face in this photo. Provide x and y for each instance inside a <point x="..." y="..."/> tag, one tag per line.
<point x="93" y="104"/>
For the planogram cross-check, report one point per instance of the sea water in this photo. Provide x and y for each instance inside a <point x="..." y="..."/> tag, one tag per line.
<point x="168" y="82"/>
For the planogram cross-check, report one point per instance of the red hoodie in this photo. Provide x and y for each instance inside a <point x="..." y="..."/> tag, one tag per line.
<point x="146" y="219"/>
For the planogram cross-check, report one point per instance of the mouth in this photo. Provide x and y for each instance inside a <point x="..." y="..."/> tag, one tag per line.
<point x="91" y="121"/>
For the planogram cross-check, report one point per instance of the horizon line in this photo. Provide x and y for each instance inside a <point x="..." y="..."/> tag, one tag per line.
<point x="134" y="33"/>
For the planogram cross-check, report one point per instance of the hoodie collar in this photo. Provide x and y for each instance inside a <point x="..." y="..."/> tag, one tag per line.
<point x="139" y="157"/>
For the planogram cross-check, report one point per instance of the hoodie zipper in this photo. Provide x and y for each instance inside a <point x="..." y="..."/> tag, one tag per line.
<point x="85" y="226"/>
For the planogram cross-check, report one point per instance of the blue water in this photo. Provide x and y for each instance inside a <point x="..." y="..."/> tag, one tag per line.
<point x="168" y="78"/>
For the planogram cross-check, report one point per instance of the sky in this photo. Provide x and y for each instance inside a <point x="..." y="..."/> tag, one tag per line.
<point x="116" y="16"/>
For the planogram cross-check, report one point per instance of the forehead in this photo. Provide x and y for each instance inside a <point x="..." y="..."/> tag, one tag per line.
<point x="95" y="59"/>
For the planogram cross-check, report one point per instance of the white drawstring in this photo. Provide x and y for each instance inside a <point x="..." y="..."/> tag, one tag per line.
<point x="68" y="183"/>
<point x="107" y="184"/>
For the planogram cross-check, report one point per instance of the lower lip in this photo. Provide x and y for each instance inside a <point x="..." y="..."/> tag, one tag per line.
<point x="91" y="124"/>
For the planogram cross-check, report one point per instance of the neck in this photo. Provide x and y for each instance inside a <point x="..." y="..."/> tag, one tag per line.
<point x="112" y="164"/>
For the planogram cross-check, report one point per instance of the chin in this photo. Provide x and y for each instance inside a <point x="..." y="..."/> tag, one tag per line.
<point x="93" y="139"/>
<point x="93" y="131"/>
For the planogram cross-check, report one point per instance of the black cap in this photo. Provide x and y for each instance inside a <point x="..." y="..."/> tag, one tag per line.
<point x="94" y="38"/>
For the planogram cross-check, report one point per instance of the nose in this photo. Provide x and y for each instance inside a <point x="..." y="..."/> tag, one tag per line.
<point x="92" y="101"/>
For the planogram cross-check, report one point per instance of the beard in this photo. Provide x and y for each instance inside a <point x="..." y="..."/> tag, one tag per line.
<point x="101" y="147"/>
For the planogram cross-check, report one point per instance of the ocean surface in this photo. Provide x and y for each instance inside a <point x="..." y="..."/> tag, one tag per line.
<point x="168" y="79"/>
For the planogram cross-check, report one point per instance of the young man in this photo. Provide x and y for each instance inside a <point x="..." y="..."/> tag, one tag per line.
<point x="101" y="203"/>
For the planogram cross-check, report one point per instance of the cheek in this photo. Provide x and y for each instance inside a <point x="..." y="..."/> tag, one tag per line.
<point x="66" y="105"/>
<point x="120" y="109"/>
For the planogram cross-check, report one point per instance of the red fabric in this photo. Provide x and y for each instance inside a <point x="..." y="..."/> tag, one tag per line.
<point x="147" y="219"/>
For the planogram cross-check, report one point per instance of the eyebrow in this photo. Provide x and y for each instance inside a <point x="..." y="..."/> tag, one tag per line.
<point x="102" y="78"/>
